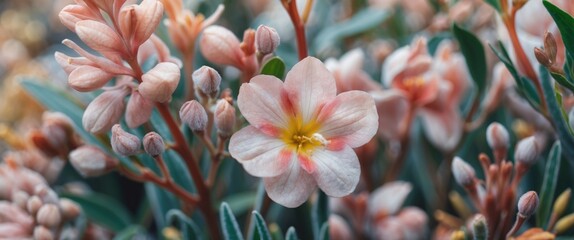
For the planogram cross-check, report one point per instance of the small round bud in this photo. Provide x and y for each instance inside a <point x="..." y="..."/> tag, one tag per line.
<point x="46" y="194"/>
<point x="159" y="83"/>
<point x="479" y="227"/>
<point x="124" y="143"/>
<point x="153" y="144"/>
<point x="266" y="39"/>
<point x="193" y="114"/>
<point x="527" y="204"/>
<point x="90" y="161"/>
<point x="70" y="209"/>
<point x="206" y="81"/>
<point x="497" y="136"/>
<point x="542" y="57"/>
<point x="33" y="205"/>
<point x="463" y="173"/>
<point x="20" y="198"/>
<point x="527" y="151"/>
<point x="49" y="216"/>
<point x="224" y="118"/>
<point x="42" y="233"/>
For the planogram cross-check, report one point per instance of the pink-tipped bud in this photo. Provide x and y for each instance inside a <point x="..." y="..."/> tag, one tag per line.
<point x="100" y="37"/>
<point x="88" y="78"/>
<point x="527" y="151"/>
<point x="138" y="110"/>
<point x="73" y="13"/>
<point x="33" y="205"/>
<point x="105" y="110"/>
<point x="527" y="204"/>
<point x="70" y="209"/>
<point x="266" y="39"/>
<point x="497" y="136"/>
<point x="124" y="143"/>
<point x="221" y="46"/>
<point x="160" y="82"/>
<point x="153" y="144"/>
<point x="463" y="173"/>
<point x="207" y="82"/>
<point x="46" y="194"/>
<point x="224" y="118"/>
<point x="43" y="233"/>
<point x="90" y="161"/>
<point x="49" y="216"/>
<point x="193" y="114"/>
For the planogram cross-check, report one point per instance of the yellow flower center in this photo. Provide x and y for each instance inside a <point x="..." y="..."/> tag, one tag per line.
<point x="303" y="137"/>
<point x="414" y="83"/>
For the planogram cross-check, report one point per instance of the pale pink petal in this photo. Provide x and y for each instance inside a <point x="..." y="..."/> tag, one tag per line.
<point x="389" y="198"/>
<point x="443" y="128"/>
<point x="260" y="154"/>
<point x="351" y="115"/>
<point x="221" y="46"/>
<point x="99" y="37"/>
<point x="260" y="102"/>
<point x="292" y="188"/>
<point x="309" y="84"/>
<point x="392" y="107"/>
<point x="337" y="172"/>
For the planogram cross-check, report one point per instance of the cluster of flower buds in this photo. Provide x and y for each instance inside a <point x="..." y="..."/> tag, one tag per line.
<point x="123" y="34"/>
<point x="495" y="197"/>
<point x="221" y="46"/>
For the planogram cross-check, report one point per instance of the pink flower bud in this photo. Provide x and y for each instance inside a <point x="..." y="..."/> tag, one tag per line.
<point x="148" y="16"/>
<point x="20" y="198"/>
<point x="160" y="82"/>
<point x="49" y="216"/>
<point x="193" y="114"/>
<point x="497" y="136"/>
<point x="73" y="13"/>
<point x="33" y="205"/>
<point x="124" y="143"/>
<point x="221" y="46"/>
<point x="153" y="144"/>
<point x="527" y="204"/>
<point x="88" y="78"/>
<point x="46" y="194"/>
<point x="12" y="213"/>
<point x="527" y="151"/>
<point x="224" y="118"/>
<point x="100" y="37"/>
<point x="138" y="110"/>
<point x="90" y="161"/>
<point x="266" y="39"/>
<point x="463" y="173"/>
<point x="43" y="233"/>
<point x="248" y="44"/>
<point x="207" y="82"/>
<point x="105" y="110"/>
<point x="9" y="230"/>
<point x="70" y="209"/>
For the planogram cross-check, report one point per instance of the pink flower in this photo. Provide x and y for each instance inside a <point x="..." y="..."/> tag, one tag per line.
<point x="302" y="133"/>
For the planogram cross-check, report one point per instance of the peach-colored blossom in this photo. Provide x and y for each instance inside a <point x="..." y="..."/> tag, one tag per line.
<point x="105" y="110"/>
<point x="302" y="133"/>
<point x="349" y="74"/>
<point x="159" y="83"/>
<point x="221" y="46"/>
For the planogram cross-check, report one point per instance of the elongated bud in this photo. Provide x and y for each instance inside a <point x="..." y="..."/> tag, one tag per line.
<point x="73" y="13"/>
<point x="266" y="39"/>
<point x="527" y="204"/>
<point x="100" y="37"/>
<point x="497" y="136"/>
<point x="193" y="114"/>
<point x="463" y="173"/>
<point x="224" y="118"/>
<point x="59" y="128"/>
<point x="207" y="82"/>
<point x="43" y="233"/>
<point x="105" y="110"/>
<point x="248" y="44"/>
<point x="480" y="228"/>
<point x="33" y="205"/>
<point x="124" y="143"/>
<point x="160" y="82"/>
<point x="138" y="110"/>
<point x="49" y="216"/>
<point x="90" y="161"/>
<point x="153" y="144"/>
<point x="221" y="46"/>
<point x="542" y="58"/>
<point x="550" y="46"/>
<point x="527" y="151"/>
<point x="70" y="209"/>
<point x="561" y="203"/>
<point x="564" y="224"/>
<point x="88" y="78"/>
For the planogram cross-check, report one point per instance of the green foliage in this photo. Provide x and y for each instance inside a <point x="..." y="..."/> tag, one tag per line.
<point x="229" y="224"/>
<point x="291" y="234"/>
<point x="274" y="67"/>
<point x="188" y="228"/>
<point x="262" y="232"/>
<point x="473" y="52"/>
<point x="320" y="213"/>
<point x="102" y="210"/>
<point x="131" y="232"/>
<point x="549" y="185"/>
<point x="495" y="4"/>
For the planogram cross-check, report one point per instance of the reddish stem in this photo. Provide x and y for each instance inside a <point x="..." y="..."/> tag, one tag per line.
<point x="299" y="25"/>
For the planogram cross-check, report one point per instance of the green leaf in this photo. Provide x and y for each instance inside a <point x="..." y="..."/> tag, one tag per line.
<point x="161" y="202"/>
<point x="562" y="80"/>
<point x="494" y="3"/>
<point x="262" y="232"/>
<point x="291" y="234"/>
<point x="362" y="21"/>
<point x="473" y="52"/>
<point x="324" y="233"/>
<point x="549" y="184"/>
<point x="132" y="232"/>
<point x="229" y="223"/>
<point x="565" y="24"/>
<point x="187" y="226"/>
<point x="259" y="197"/>
<point x="274" y="67"/>
<point x="557" y="115"/>
<point x="320" y="213"/>
<point x="241" y="202"/>
<point x="103" y="210"/>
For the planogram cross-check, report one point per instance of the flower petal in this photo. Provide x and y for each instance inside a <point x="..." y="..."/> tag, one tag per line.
<point x="260" y="154"/>
<point x="393" y="107"/>
<point x="260" y="102"/>
<point x="389" y="198"/>
<point x="443" y="128"/>
<point x="292" y="188"/>
<point x="309" y="84"/>
<point x="337" y="172"/>
<point x="351" y="115"/>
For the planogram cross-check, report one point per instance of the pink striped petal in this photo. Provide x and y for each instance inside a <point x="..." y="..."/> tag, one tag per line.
<point x="99" y="37"/>
<point x="442" y="128"/>
<point x="337" y="173"/>
<point x="389" y="198"/>
<point x="260" y="102"/>
<point x="292" y="188"/>
<point x="393" y="107"/>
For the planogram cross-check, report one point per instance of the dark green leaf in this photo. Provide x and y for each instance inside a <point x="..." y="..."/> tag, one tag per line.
<point x="324" y="233"/>
<point x="188" y="228"/>
<point x="549" y="184"/>
<point x="262" y="232"/>
<point x="562" y="80"/>
<point x="161" y="202"/>
<point x="473" y="52"/>
<point x="565" y="24"/>
<point x="229" y="224"/>
<point x="291" y="234"/>
<point x="132" y="232"/>
<point x="275" y="67"/>
<point x="241" y="203"/>
<point x="258" y="204"/>
<point x="494" y="3"/>
<point x="320" y="213"/>
<point x="103" y="210"/>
